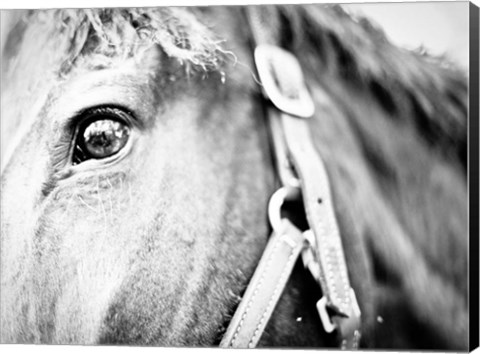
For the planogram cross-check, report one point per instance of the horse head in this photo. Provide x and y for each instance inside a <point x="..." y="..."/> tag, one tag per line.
<point x="134" y="199"/>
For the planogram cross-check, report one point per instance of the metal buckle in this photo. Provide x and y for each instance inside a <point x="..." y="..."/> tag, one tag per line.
<point x="328" y="325"/>
<point x="282" y="81"/>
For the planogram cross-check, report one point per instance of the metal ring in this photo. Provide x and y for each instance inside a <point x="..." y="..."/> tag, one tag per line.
<point x="275" y="205"/>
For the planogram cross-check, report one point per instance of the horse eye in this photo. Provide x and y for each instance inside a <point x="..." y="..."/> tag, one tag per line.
<point x="104" y="133"/>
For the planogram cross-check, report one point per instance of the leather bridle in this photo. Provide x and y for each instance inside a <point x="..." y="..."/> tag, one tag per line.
<point x="303" y="176"/>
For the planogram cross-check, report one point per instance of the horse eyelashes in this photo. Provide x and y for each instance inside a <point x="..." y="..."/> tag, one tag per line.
<point x="103" y="132"/>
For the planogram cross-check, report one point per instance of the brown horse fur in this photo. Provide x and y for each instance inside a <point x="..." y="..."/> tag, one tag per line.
<point x="390" y="125"/>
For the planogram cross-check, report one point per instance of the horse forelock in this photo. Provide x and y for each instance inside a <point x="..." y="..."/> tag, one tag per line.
<point x="122" y="32"/>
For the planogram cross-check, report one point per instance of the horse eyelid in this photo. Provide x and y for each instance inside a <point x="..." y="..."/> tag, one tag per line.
<point x="81" y="117"/>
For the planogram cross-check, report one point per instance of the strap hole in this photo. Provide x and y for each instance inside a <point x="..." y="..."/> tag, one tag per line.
<point x="319" y="200"/>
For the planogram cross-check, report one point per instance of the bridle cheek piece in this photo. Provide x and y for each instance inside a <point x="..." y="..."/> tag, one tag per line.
<point x="303" y="176"/>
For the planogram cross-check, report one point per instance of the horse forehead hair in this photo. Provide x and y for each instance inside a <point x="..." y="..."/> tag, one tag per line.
<point x="123" y="33"/>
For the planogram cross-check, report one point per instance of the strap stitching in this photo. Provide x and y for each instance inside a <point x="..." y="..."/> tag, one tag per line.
<point x="260" y="283"/>
<point x="291" y="259"/>
<point x="331" y="254"/>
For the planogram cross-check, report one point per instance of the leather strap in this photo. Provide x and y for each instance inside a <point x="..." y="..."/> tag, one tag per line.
<point x="332" y="275"/>
<point x="298" y="165"/>
<point x="265" y="288"/>
<point x="328" y="265"/>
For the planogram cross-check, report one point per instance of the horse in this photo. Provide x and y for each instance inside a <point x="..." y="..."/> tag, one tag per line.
<point x="136" y="186"/>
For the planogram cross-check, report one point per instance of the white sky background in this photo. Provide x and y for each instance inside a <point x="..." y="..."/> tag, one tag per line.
<point x="441" y="27"/>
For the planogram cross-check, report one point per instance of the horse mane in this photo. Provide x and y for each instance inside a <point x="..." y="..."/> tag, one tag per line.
<point x="394" y="140"/>
<point x="406" y="84"/>
<point x="122" y="33"/>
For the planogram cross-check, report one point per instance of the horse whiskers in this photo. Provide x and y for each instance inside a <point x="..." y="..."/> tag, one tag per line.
<point x="86" y="204"/>
<point x="234" y="296"/>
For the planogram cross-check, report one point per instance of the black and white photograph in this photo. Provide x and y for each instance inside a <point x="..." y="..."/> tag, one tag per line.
<point x="289" y="176"/>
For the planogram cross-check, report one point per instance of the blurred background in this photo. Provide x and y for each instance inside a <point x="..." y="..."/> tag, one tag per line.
<point x="440" y="27"/>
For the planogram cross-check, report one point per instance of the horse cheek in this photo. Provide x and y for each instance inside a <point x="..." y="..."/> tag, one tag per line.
<point x="80" y="260"/>
<point x="21" y="192"/>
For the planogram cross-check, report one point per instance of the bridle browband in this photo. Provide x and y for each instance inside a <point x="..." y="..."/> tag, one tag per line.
<point x="303" y="175"/>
